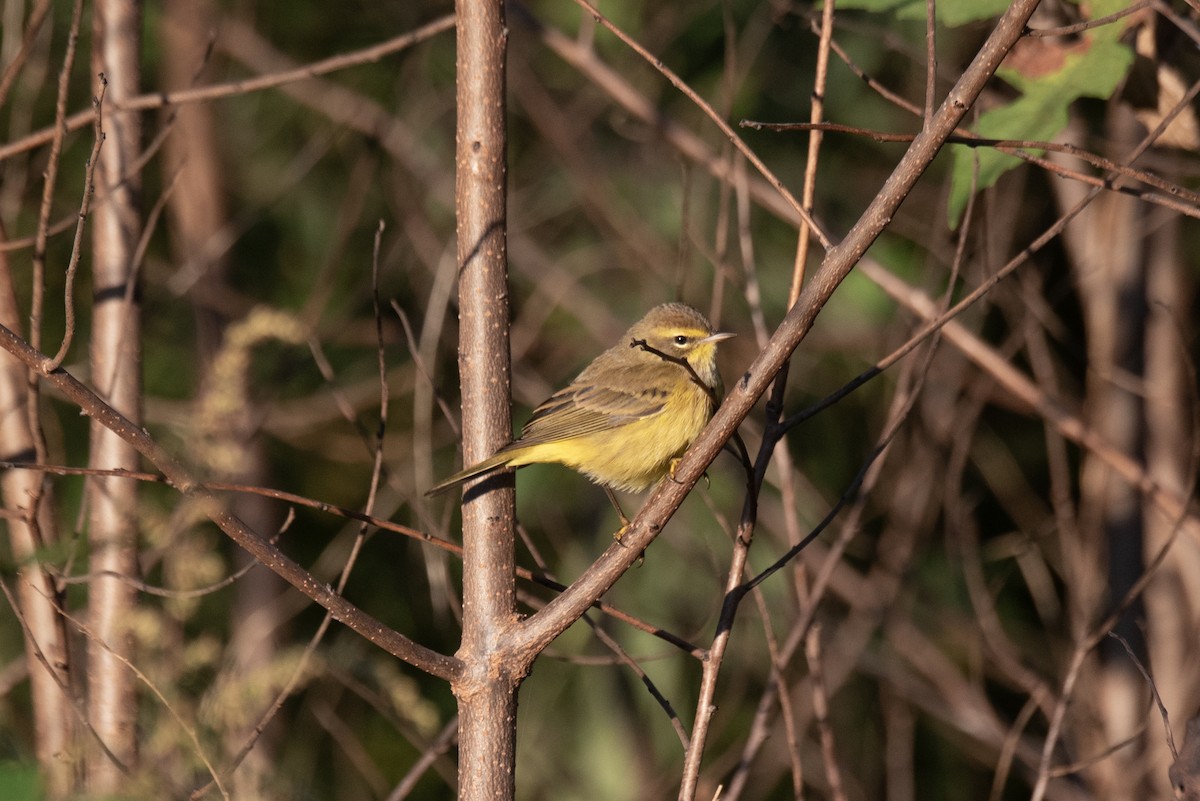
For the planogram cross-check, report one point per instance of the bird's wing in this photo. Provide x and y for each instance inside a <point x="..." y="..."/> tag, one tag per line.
<point x="585" y="408"/>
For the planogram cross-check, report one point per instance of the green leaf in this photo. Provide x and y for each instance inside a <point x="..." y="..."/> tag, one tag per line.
<point x="1050" y="81"/>
<point x="20" y="781"/>
<point x="877" y="6"/>
<point x="954" y="13"/>
<point x="1049" y="76"/>
<point x="951" y="13"/>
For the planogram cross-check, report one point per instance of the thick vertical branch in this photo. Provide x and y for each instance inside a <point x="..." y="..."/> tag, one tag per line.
<point x="1173" y="604"/>
<point x="29" y="502"/>
<point x="1105" y="559"/>
<point x="116" y="372"/>
<point x="487" y="688"/>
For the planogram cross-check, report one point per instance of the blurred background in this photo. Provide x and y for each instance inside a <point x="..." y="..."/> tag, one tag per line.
<point x="1032" y="499"/>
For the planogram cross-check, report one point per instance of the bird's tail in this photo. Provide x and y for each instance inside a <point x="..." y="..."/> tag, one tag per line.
<point x="489" y="465"/>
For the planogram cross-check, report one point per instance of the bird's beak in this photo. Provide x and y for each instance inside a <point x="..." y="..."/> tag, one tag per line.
<point x="717" y="337"/>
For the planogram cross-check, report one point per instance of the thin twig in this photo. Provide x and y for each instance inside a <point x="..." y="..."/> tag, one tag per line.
<point x="437" y="748"/>
<point x="816" y="669"/>
<point x="37" y="19"/>
<point x="689" y="648"/>
<point x="1079" y="27"/>
<point x="86" y="631"/>
<point x="40" y="656"/>
<point x="707" y="108"/>
<point x="440" y="665"/>
<point x="816" y="114"/>
<point x="148" y="102"/>
<point x="1177" y="196"/>
<point x="930" y="61"/>
<point x="195" y="592"/>
<point x="49" y="184"/>
<point x="77" y="246"/>
<point x="301" y="667"/>
<point x="1158" y="701"/>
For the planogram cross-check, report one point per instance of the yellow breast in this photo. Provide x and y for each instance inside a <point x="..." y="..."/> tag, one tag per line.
<point x="633" y="456"/>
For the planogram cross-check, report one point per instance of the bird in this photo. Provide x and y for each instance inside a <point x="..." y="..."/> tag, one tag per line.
<point x="624" y="421"/>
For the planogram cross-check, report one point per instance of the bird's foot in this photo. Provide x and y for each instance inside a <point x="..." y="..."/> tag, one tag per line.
<point x="675" y="465"/>
<point x="672" y="468"/>
<point x="621" y="533"/>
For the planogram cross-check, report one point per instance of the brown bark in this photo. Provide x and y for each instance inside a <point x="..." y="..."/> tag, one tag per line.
<point x="1173" y="599"/>
<point x="29" y="500"/>
<point x="116" y="370"/>
<point x="487" y="688"/>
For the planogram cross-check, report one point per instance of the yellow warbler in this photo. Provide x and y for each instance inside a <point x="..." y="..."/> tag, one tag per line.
<point x="629" y="416"/>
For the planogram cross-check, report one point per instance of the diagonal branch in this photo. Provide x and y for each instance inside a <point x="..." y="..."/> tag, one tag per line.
<point x="200" y="94"/>
<point x="417" y="655"/>
<point x="540" y="629"/>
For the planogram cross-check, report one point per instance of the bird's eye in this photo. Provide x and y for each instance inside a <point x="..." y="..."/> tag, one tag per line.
<point x="680" y="339"/>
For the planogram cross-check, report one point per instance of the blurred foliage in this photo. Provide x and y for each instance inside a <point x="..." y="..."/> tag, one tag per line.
<point x="1049" y="84"/>
<point x="606" y="220"/>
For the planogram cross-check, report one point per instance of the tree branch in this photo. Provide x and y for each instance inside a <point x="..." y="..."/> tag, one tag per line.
<point x="415" y="654"/>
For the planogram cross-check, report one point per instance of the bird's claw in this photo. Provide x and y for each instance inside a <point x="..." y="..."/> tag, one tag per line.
<point x="675" y="464"/>
<point x="621" y="533"/>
